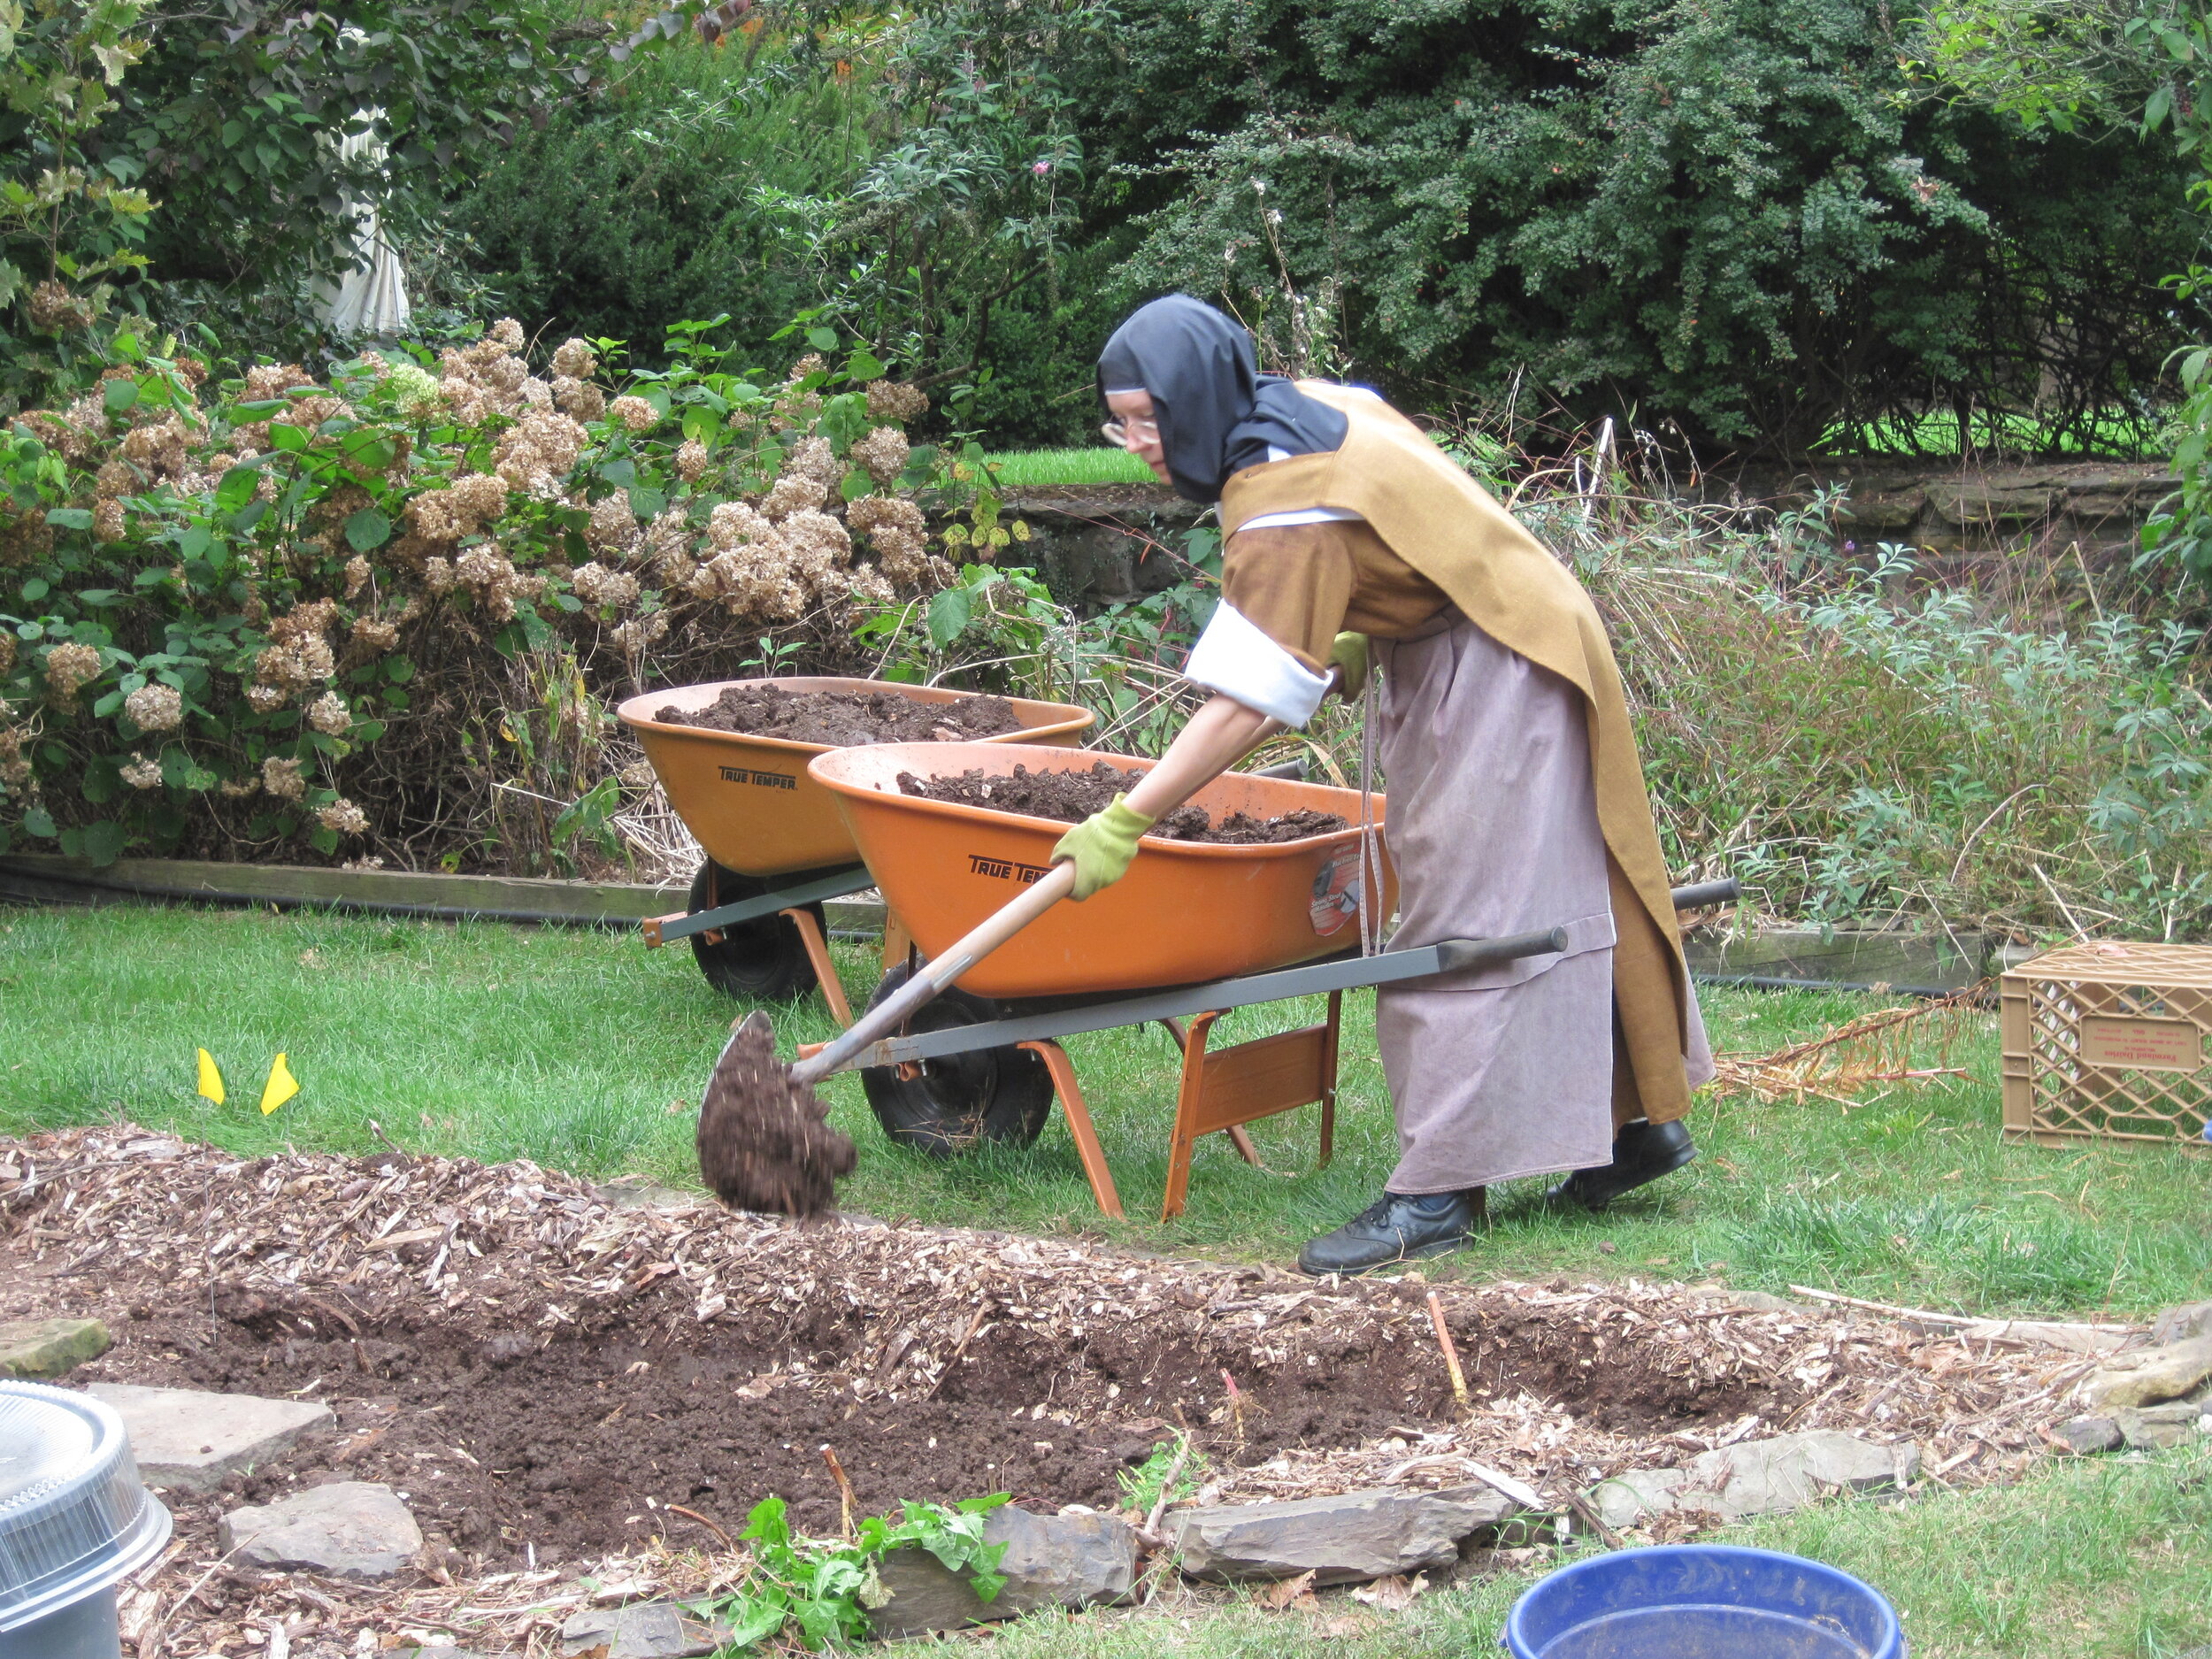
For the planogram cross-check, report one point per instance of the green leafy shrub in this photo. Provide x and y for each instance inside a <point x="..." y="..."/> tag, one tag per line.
<point x="1741" y="216"/>
<point x="234" y="617"/>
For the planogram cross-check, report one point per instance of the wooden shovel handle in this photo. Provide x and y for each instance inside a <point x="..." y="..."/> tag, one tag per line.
<point x="979" y="942"/>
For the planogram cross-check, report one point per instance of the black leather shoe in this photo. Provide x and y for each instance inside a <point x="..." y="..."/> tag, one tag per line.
<point x="1394" y="1228"/>
<point x="1643" y="1151"/>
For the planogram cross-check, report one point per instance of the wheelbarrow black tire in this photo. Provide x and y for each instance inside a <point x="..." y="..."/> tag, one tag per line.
<point x="759" y="960"/>
<point x="959" y="1102"/>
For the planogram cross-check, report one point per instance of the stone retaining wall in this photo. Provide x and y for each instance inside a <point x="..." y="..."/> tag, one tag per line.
<point x="2038" y="525"/>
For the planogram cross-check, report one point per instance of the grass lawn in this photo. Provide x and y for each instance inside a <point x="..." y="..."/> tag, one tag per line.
<point x="583" y="1050"/>
<point x="1037" y="469"/>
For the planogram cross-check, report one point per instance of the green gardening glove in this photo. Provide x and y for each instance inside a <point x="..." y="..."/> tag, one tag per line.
<point x="1349" y="654"/>
<point x="1101" y="845"/>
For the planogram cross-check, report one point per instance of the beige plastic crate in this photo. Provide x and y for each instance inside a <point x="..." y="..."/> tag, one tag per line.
<point x="2109" y="1040"/>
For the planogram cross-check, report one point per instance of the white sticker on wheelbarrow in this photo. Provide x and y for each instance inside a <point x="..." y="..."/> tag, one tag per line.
<point x="1335" y="892"/>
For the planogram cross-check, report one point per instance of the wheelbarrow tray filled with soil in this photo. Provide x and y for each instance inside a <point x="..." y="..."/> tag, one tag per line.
<point x="748" y="798"/>
<point x="1187" y="911"/>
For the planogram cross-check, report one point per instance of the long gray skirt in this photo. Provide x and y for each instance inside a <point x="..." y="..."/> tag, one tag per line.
<point x="1493" y="824"/>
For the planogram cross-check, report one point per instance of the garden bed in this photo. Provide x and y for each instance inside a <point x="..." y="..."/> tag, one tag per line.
<point x="548" y="1375"/>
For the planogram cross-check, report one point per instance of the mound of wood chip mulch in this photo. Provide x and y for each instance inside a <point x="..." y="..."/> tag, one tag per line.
<point x="568" y="1389"/>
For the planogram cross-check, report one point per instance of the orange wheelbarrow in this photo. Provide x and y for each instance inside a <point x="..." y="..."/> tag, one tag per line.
<point x="1192" y="931"/>
<point x="775" y="841"/>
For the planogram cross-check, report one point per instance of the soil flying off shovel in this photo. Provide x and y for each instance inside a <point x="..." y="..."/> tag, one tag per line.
<point x="764" y="1143"/>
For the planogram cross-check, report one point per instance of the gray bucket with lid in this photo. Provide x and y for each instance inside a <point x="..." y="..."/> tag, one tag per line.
<point x="74" y="1520"/>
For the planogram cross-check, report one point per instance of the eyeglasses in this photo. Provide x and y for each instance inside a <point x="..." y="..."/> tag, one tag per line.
<point x="1128" y="435"/>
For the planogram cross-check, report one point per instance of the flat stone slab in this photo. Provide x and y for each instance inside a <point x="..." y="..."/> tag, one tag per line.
<point x="1050" y="1561"/>
<point x="1769" y="1477"/>
<point x="47" y="1349"/>
<point x="649" y="1630"/>
<point x="1341" y="1539"/>
<point x="2085" y="1436"/>
<point x="188" y="1441"/>
<point x="2149" y="1375"/>
<point x="351" y="1529"/>
<point x="2155" y="1428"/>
<point x="2179" y="1325"/>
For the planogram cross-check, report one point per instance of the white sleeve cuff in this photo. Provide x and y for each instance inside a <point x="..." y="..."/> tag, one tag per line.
<point x="1235" y="658"/>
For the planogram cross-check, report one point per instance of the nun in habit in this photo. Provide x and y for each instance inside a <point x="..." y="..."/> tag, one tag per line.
<point x="1516" y="798"/>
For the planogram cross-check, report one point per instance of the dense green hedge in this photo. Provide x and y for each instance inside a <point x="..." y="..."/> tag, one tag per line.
<point x="1740" y="215"/>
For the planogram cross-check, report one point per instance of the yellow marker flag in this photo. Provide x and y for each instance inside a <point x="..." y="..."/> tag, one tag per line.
<point x="210" y="1080"/>
<point x="280" y="1087"/>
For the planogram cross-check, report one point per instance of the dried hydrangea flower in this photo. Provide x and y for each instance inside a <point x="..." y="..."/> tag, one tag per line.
<point x="614" y="525"/>
<point x="635" y="413"/>
<point x="238" y="789"/>
<point x="595" y="585"/>
<point x="329" y="715"/>
<point x="793" y="493"/>
<point x="357" y="575"/>
<point x="268" y="381"/>
<point x="343" y="817"/>
<point x="55" y="309"/>
<point x="142" y="773"/>
<point x="692" y="460"/>
<point x="889" y="400"/>
<point x="262" y="699"/>
<point x="813" y="458"/>
<point x="634" y="635"/>
<point x="375" y="633"/>
<point x="883" y="452"/>
<point x="109" y="522"/>
<point x="70" y="666"/>
<point x="155" y="708"/>
<point x="575" y="358"/>
<point x="281" y="777"/>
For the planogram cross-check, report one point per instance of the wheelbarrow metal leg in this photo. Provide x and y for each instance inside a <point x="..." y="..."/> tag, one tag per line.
<point x="1079" y="1112"/>
<point x="1230" y="1087"/>
<point x="824" y="970"/>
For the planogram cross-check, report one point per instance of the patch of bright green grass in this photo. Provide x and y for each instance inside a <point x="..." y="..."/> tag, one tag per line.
<point x="2093" y="1559"/>
<point x="1934" y="435"/>
<point x="585" y="1051"/>
<point x="1037" y="469"/>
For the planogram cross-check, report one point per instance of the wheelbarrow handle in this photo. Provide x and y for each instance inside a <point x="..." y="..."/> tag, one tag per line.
<point x="1725" y="891"/>
<point x="979" y="942"/>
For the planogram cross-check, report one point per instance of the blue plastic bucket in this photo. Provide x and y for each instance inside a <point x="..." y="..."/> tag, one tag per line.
<point x="1701" y="1601"/>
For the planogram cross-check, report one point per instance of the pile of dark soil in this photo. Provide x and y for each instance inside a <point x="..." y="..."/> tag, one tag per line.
<point x="1071" y="796"/>
<point x="548" y="1377"/>
<point x="845" y="719"/>
<point x="763" y="1143"/>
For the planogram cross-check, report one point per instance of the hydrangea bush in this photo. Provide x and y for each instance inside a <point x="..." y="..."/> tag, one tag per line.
<point x="237" y="617"/>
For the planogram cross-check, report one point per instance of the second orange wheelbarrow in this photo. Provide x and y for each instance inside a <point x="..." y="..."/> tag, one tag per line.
<point x="1192" y="931"/>
<point x="775" y="842"/>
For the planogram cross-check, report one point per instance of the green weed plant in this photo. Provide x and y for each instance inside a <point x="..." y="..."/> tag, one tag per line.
<point x="819" y="1593"/>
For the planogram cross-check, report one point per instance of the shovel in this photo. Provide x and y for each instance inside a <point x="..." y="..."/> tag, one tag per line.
<point x="764" y="1143"/>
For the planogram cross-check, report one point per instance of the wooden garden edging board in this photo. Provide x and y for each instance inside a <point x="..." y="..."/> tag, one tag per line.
<point x="1908" y="964"/>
